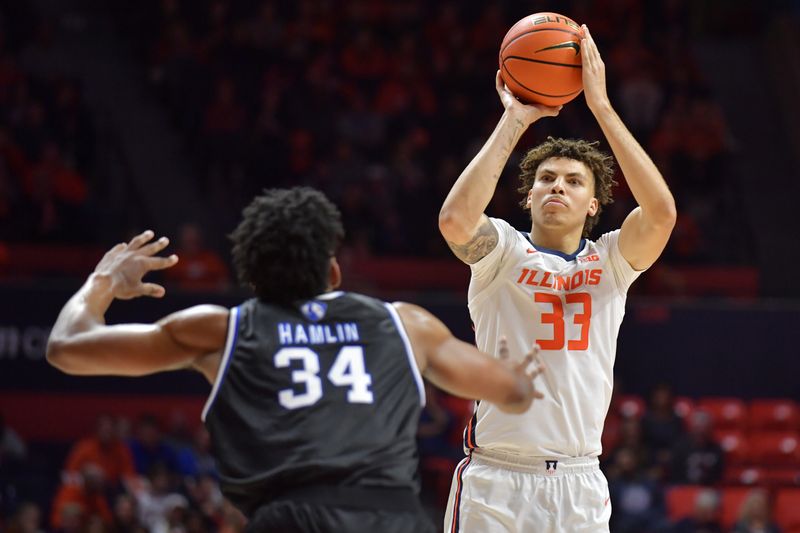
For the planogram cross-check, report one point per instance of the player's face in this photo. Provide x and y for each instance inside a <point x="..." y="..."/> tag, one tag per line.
<point x="562" y="195"/>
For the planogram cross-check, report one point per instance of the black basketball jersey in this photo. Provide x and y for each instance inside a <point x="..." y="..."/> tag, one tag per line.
<point x="323" y="393"/>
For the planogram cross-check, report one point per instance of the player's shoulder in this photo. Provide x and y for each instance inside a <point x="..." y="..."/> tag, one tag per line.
<point x="353" y="304"/>
<point x="605" y="242"/>
<point x="502" y="225"/>
<point x="355" y="298"/>
<point x="201" y="312"/>
<point x="510" y="235"/>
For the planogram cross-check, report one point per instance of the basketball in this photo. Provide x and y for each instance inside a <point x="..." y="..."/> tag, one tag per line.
<point x="540" y="59"/>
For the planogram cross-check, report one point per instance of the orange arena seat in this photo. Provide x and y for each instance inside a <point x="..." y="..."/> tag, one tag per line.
<point x="727" y="413"/>
<point x="684" y="406"/>
<point x="631" y="406"/>
<point x="775" y="448"/>
<point x="744" y="475"/>
<point x="732" y="499"/>
<point x="774" y="415"/>
<point x="680" y="500"/>
<point x="781" y="476"/>
<point x="786" y="509"/>
<point x="735" y="445"/>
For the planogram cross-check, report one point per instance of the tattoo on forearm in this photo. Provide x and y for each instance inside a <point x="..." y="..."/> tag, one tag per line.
<point x="479" y="246"/>
<point x="510" y="141"/>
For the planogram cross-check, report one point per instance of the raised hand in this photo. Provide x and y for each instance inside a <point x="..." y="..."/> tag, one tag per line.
<point x="523" y="370"/>
<point x="594" y="72"/>
<point x="528" y="113"/>
<point x="124" y="266"/>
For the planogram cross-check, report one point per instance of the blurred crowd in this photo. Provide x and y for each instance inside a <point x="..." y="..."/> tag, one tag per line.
<point x="674" y="465"/>
<point x="118" y="480"/>
<point x="46" y="140"/>
<point x="380" y="104"/>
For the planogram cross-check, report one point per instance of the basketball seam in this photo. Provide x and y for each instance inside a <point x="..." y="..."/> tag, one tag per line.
<point x="537" y="92"/>
<point x="578" y="35"/>
<point x="541" y="61"/>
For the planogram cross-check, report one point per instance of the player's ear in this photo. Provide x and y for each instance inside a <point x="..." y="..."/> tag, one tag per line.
<point x="528" y="201"/>
<point x="335" y="274"/>
<point x="594" y="205"/>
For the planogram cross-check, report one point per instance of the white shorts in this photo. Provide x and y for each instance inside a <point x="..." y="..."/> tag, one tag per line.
<point x="495" y="492"/>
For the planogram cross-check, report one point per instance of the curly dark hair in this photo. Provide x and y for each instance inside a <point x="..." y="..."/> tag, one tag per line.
<point x="283" y="245"/>
<point x="599" y="163"/>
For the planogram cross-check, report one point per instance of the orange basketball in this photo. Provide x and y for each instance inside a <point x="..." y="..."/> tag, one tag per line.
<point x="540" y="59"/>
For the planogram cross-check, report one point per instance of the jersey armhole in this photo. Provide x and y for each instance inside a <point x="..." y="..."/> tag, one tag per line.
<point x="412" y="361"/>
<point x="227" y="354"/>
<point x="474" y="298"/>
<point x="624" y="273"/>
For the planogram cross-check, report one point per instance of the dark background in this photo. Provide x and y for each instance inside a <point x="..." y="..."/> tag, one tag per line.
<point x="170" y="115"/>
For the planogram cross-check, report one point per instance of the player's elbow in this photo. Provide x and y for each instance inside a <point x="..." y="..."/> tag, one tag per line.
<point x="58" y="355"/>
<point x="665" y="215"/>
<point x="452" y="225"/>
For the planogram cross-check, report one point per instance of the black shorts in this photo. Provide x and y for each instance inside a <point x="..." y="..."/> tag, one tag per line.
<point x="341" y="511"/>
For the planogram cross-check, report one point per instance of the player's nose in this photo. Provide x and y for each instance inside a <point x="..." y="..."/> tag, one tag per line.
<point x="557" y="186"/>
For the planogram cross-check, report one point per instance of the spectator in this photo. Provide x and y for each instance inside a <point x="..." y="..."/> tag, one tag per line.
<point x="78" y="502"/>
<point x="755" y="516"/>
<point x="199" y="268"/>
<point x="613" y="426"/>
<point x="195" y="459"/>
<point x="73" y="125"/>
<point x="697" y="458"/>
<point x="206" y="496"/>
<point x="630" y="439"/>
<point x="105" y="450"/>
<point x="27" y="519"/>
<point x="12" y="447"/>
<point x="70" y="519"/>
<point x="434" y="427"/>
<point x="32" y="131"/>
<point x="641" y="97"/>
<point x="637" y="500"/>
<point x="662" y="428"/>
<point x="57" y="191"/>
<point x="364" y="57"/>
<point x="149" y="449"/>
<point x="233" y="521"/>
<point x="178" y="434"/>
<point x="224" y="127"/>
<point x="126" y="518"/>
<point x="158" y="500"/>
<point x="705" y="518"/>
<point x="266" y="30"/>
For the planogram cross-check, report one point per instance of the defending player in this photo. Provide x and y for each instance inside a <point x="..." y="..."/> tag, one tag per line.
<point x="552" y="286"/>
<point x="316" y="394"/>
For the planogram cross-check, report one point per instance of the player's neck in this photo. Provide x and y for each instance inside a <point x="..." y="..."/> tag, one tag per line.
<point x="557" y="239"/>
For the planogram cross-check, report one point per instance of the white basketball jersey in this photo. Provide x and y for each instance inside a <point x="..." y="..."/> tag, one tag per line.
<point x="572" y="306"/>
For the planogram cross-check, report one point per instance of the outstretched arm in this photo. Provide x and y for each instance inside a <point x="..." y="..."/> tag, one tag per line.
<point x="647" y="228"/>
<point x="81" y="342"/>
<point x="463" y="370"/>
<point x="462" y="222"/>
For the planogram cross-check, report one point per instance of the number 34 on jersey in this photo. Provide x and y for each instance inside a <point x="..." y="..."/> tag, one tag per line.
<point x="348" y="370"/>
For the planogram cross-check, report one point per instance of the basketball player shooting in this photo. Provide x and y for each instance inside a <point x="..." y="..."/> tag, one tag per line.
<point x="316" y="393"/>
<point x="554" y="287"/>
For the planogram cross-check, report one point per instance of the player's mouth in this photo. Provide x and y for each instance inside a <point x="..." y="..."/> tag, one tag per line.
<point x="555" y="201"/>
